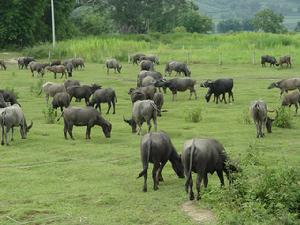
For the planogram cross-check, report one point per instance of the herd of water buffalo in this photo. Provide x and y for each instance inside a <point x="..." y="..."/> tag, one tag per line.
<point x="201" y="156"/>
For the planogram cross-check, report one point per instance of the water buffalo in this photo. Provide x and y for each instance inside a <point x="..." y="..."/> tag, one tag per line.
<point x="104" y="95"/>
<point x="69" y="68"/>
<point x="268" y="59"/>
<point x="285" y="60"/>
<point x="142" y="93"/>
<point x="2" y="65"/>
<point x="220" y="87"/>
<point x="55" y="62"/>
<point x="78" y="62"/>
<point x="13" y="116"/>
<point x="203" y="156"/>
<point x="68" y="61"/>
<point x="88" y="117"/>
<point x="144" y="73"/>
<point x="83" y="91"/>
<point x="3" y="104"/>
<point x="136" y="58"/>
<point x="148" y="81"/>
<point x="24" y="61"/>
<point x="147" y="65"/>
<point x="179" y="67"/>
<point x="9" y="97"/>
<point x="71" y="83"/>
<point x="259" y="113"/>
<point x="178" y="84"/>
<point x="38" y="67"/>
<point x="286" y="85"/>
<point x="291" y="99"/>
<point x="158" y="99"/>
<point x="58" y="69"/>
<point x="51" y="89"/>
<point x="157" y="148"/>
<point x="61" y="99"/>
<point x="143" y="111"/>
<point x="151" y="58"/>
<point x="21" y="62"/>
<point x="113" y="64"/>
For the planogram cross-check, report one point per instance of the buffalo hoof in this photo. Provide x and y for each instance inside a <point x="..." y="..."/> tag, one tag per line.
<point x="198" y="197"/>
<point x="155" y="188"/>
<point x="114" y="112"/>
<point x="2" y="142"/>
<point x="192" y="197"/>
<point x="160" y="179"/>
<point x="144" y="189"/>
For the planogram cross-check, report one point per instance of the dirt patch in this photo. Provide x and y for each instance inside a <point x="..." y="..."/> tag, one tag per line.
<point x="200" y="216"/>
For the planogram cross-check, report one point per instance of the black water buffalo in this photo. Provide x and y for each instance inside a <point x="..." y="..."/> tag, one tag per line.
<point x="151" y="58"/>
<point x="268" y="59"/>
<point x="286" y="85"/>
<point x="157" y="148"/>
<point x="135" y="59"/>
<point x="113" y="64"/>
<point x="143" y="111"/>
<point x="55" y="62"/>
<point x="69" y="68"/>
<point x="220" y="87"/>
<point x="178" y="84"/>
<point x="147" y="65"/>
<point x="2" y="65"/>
<point x="285" y="60"/>
<point x="88" y="117"/>
<point x="83" y="91"/>
<point x="104" y="95"/>
<point x="259" y="113"/>
<point x="61" y="99"/>
<point x="179" y="67"/>
<point x="291" y="99"/>
<point x="9" y="97"/>
<point x="142" y="93"/>
<point x="26" y="61"/>
<point x="204" y="156"/>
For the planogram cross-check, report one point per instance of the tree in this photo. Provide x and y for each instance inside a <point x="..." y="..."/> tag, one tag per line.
<point x="194" y="22"/>
<point x="268" y="21"/>
<point x="297" y="28"/>
<point x="229" y="25"/>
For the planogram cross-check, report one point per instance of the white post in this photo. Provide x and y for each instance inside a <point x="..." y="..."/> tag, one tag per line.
<point x="53" y="24"/>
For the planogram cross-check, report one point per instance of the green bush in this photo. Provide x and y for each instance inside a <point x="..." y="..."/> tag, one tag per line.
<point x="246" y="116"/>
<point x="194" y="115"/>
<point x="179" y="29"/>
<point x="35" y="88"/>
<point x="283" y="118"/>
<point x="49" y="114"/>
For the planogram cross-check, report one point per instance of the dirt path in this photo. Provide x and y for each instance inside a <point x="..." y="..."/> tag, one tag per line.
<point x="200" y="216"/>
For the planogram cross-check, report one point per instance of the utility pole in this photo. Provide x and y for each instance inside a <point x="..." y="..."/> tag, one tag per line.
<point x="53" y="24"/>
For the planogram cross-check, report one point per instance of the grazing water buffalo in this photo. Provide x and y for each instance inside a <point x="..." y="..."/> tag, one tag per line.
<point x="151" y="58"/>
<point x="51" y="89"/>
<point x="285" y="60"/>
<point x="136" y="58"/>
<point x="178" y="84"/>
<point x="220" y="87"/>
<point x="142" y="93"/>
<point x="113" y="64"/>
<point x="55" y="62"/>
<point x="259" y="113"/>
<point x="13" y="116"/>
<point x="157" y="148"/>
<point x="78" y="62"/>
<point x="69" y="68"/>
<point x="204" y="156"/>
<point x="144" y="73"/>
<point x="88" y="117"/>
<point x="291" y="99"/>
<point x="2" y="65"/>
<point x="148" y="81"/>
<point x="179" y="67"/>
<point x="268" y="59"/>
<point x="143" y="111"/>
<point x="83" y="91"/>
<point x="286" y="85"/>
<point x="61" y="100"/>
<point x="147" y="65"/>
<point x="158" y="99"/>
<point x="104" y="95"/>
<point x="71" y="83"/>
<point x="24" y="61"/>
<point x="58" y="69"/>
<point x="3" y="104"/>
<point x="136" y="95"/>
<point x="9" y="97"/>
<point x="38" y="67"/>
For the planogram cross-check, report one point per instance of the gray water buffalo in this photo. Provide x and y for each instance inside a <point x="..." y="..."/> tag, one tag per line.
<point x="143" y="111"/>
<point x="51" y="89"/>
<point x="58" y="69"/>
<point x="147" y="65"/>
<point x="13" y="116"/>
<point x="71" y="83"/>
<point x="286" y="85"/>
<point x="178" y="84"/>
<point x="65" y="62"/>
<point x="285" y="60"/>
<point x="135" y="59"/>
<point x="55" y="62"/>
<point x="24" y="61"/>
<point x="3" y="104"/>
<point x="2" y="65"/>
<point x="113" y="64"/>
<point x="104" y="95"/>
<point x="61" y="100"/>
<point x="259" y="113"/>
<point x="9" y="97"/>
<point x="88" y="117"/>
<point x="157" y="148"/>
<point x="179" y="67"/>
<point x="203" y="156"/>
<point x="151" y="58"/>
<point x="83" y="91"/>
<point x="158" y="99"/>
<point x="290" y="99"/>
<point x="148" y="81"/>
<point x="268" y="59"/>
<point x="220" y="87"/>
<point x="78" y="62"/>
<point x="142" y="93"/>
<point x="144" y="73"/>
<point x="38" y="67"/>
<point x="69" y="68"/>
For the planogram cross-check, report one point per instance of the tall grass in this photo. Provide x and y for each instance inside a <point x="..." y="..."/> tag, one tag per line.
<point x="187" y="47"/>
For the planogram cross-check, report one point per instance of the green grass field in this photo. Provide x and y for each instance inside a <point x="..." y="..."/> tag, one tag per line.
<point x="46" y="179"/>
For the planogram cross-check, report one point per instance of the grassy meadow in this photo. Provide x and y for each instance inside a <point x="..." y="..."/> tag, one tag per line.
<point x="46" y="179"/>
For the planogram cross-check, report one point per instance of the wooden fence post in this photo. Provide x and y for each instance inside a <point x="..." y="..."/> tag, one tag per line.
<point x="253" y="58"/>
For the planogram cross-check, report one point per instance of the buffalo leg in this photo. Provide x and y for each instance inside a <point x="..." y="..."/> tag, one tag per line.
<point x="99" y="107"/>
<point x="192" y="197"/>
<point x="145" y="182"/>
<point x="159" y="175"/>
<point x="109" y="106"/>
<point x="155" y="122"/>
<point x="86" y="99"/>
<point x="149" y="125"/>
<point x="12" y="134"/>
<point x="221" y="177"/>
<point x="54" y="75"/>
<point x="296" y="106"/>
<point x="65" y="129"/>
<point x="257" y="129"/>
<point x="6" y="135"/>
<point x="154" y="172"/>
<point x="88" y="132"/>
<point x="114" y="107"/>
<point x="198" y="183"/>
<point x="231" y="94"/>
<point x="70" y="128"/>
<point x="2" y="128"/>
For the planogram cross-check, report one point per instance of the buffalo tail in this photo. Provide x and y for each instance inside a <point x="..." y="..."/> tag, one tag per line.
<point x="144" y="171"/>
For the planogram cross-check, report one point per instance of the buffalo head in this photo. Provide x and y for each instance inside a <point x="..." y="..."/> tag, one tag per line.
<point x="119" y="68"/>
<point x="272" y="85"/>
<point x="269" y="124"/>
<point x="106" y="128"/>
<point x="95" y="87"/>
<point x="132" y="123"/>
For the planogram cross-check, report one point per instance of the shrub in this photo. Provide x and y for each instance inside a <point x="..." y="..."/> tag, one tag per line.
<point x="283" y="118"/>
<point x="49" y="114"/>
<point x="246" y="116"/>
<point x="179" y="29"/>
<point x="36" y="87"/>
<point x="194" y="115"/>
